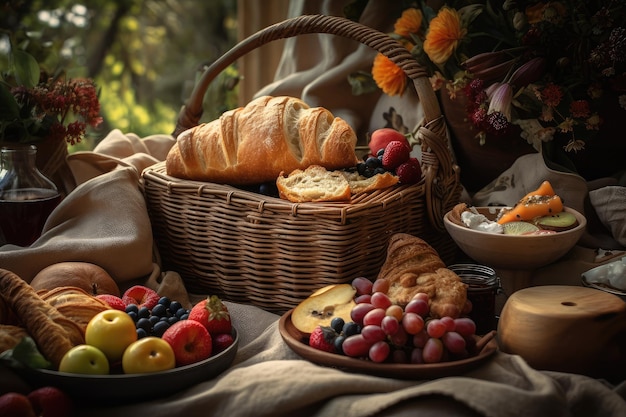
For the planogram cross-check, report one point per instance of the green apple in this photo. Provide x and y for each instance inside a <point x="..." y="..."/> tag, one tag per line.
<point x="111" y="331"/>
<point x="84" y="359"/>
<point x="148" y="354"/>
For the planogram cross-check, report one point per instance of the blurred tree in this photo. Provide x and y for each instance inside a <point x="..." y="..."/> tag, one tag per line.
<point x="145" y="55"/>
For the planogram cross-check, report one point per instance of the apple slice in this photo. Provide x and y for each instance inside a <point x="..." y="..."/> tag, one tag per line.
<point x="322" y="306"/>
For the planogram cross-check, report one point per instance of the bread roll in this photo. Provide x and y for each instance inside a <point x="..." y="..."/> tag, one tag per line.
<point x="255" y="143"/>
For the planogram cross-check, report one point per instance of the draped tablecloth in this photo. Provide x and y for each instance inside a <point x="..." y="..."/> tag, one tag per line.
<point x="105" y="221"/>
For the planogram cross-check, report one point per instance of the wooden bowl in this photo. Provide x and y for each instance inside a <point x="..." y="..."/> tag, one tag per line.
<point x="514" y="251"/>
<point x="566" y="328"/>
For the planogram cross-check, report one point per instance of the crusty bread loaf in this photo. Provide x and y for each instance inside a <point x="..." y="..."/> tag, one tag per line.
<point x="413" y="266"/>
<point x="255" y="143"/>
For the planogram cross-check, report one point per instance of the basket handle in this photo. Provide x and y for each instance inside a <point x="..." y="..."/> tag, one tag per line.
<point x="440" y="172"/>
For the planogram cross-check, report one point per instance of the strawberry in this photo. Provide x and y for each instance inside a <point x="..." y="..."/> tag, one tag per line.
<point x="396" y="153"/>
<point x="322" y="338"/>
<point x="213" y="314"/>
<point x="409" y="172"/>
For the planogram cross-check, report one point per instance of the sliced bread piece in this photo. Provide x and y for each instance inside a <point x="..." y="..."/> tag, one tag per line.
<point x="361" y="184"/>
<point x="315" y="183"/>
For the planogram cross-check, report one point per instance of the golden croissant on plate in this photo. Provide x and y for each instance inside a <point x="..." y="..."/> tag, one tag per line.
<point x="413" y="266"/>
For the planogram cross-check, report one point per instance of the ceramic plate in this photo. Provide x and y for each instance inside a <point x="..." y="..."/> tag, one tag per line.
<point x="297" y="341"/>
<point x="133" y="388"/>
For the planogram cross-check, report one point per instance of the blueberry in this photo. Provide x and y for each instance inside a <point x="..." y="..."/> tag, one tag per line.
<point x="165" y="301"/>
<point x="350" y="328"/>
<point x="160" y="328"/>
<point x="338" y="342"/>
<point x="379" y="170"/>
<point x="337" y="324"/>
<point x="154" y="319"/>
<point x="172" y="320"/>
<point x="132" y="315"/>
<point x="372" y="162"/>
<point x="144" y="323"/>
<point x="380" y="152"/>
<point x="180" y="312"/>
<point x="184" y="316"/>
<point x="174" y="306"/>
<point x="132" y="308"/>
<point x="360" y="168"/>
<point x="143" y="312"/>
<point x="159" y="310"/>
<point x="141" y="333"/>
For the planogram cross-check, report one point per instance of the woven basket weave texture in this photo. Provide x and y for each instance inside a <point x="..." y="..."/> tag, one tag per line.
<point x="269" y="252"/>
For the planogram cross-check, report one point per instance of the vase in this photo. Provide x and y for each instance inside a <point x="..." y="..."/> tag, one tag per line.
<point x="480" y="164"/>
<point x="52" y="162"/>
<point x="27" y="197"/>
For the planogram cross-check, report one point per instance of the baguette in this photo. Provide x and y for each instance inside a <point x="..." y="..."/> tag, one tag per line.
<point x="53" y="333"/>
<point x="255" y="143"/>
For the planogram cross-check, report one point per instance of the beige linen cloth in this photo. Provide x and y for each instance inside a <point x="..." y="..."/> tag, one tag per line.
<point x="105" y="221"/>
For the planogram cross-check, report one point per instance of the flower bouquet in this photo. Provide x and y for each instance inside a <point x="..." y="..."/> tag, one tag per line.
<point x="553" y="73"/>
<point x="49" y="112"/>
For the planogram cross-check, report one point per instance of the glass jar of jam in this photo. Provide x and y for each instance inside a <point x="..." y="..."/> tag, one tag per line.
<point x="482" y="287"/>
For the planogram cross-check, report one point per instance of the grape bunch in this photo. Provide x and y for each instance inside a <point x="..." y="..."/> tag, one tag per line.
<point x="156" y="321"/>
<point x="385" y="332"/>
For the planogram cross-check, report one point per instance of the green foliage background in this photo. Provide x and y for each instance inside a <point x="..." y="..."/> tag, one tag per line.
<point x="145" y="55"/>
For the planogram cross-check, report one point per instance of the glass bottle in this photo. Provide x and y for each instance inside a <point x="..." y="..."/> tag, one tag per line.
<point x="27" y="197"/>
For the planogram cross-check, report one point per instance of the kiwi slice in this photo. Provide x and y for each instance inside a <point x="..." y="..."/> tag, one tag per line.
<point x="557" y="222"/>
<point x="518" y="228"/>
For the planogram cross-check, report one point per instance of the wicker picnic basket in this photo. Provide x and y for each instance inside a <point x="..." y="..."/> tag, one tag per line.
<point x="269" y="252"/>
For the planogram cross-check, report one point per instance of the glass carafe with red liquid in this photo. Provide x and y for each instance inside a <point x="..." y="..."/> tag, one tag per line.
<point x="27" y="197"/>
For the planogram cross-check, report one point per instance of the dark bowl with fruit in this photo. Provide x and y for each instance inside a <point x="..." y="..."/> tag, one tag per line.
<point x="124" y="388"/>
<point x="527" y="250"/>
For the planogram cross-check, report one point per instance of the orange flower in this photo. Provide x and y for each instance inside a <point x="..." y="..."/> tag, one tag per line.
<point x="388" y="76"/>
<point x="444" y="35"/>
<point x="410" y="22"/>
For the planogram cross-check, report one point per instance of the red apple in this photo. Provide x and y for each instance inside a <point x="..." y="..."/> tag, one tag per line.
<point x="90" y="277"/>
<point x="381" y="137"/>
<point x="50" y="402"/>
<point x="142" y="296"/>
<point x="190" y="341"/>
<point x="16" y="404"/>
<point x="113" y="301"/>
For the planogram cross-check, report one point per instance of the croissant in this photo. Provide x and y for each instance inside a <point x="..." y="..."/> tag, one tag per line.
<point x="53" y="333"/>
<point x="255" y="143"/>
<point x="413" y="266"/>
<point x="74" y="303"/>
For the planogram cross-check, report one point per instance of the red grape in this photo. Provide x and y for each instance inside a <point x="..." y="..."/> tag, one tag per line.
<point x="390" y="325"/>
<point x="380" y="300"/>
<point x="435" y="328"/>
<point x="362" y="285"/>
<point x="372" y="333"/>
<point x="395" y="311"/>
<point x="355" y="346"/>
<point x="374" y="316"/>
<point x="449" y="323"/>
<point x="421" y="296"/>
<point x="454" y="342"/>
<point x="412" y="323"/>
<point x="464" y="326"/>
<point x="399" y="356"/>
<point x="399" y="338"/>
<point x="417" y="306"/>
<point x="417" y="355"/>
<point x="359" y="311"/>
<point x="363" y="298"/>
<point x="433" y="351"/>
<point x="419" y="339"/>
<point x="379" y="352"/>
<point x="380" y="285"/>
